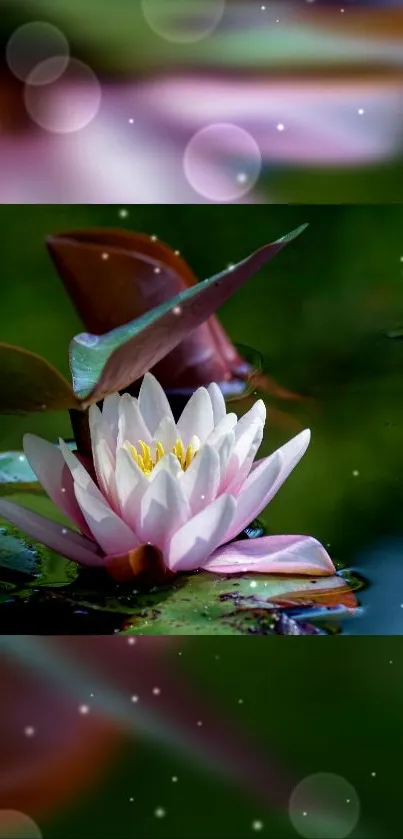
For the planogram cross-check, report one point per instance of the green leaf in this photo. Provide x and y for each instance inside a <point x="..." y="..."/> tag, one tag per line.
<point x="207" y="604"/>
<point x="103" y="364"/>
<point x="19" y="555"/>
<point x="29" y="383"/>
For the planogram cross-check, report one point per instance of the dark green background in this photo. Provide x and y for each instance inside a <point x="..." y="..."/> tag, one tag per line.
<point x="319" y="315"/>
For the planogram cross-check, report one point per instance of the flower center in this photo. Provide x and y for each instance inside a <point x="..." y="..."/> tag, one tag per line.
<point x="147" y="460"/>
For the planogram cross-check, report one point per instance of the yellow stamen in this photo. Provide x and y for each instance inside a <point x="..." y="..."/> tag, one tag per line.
<point x="146" y="461"/>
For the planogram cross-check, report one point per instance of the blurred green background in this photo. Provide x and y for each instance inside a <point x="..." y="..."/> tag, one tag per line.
<point x="319" y="315"/>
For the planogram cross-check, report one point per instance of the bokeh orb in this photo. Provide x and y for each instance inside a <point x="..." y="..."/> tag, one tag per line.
<point x="34" y="43"/>
<point x="67" y="104"/>
<point x="15" y="825"/>
<point x="324" y="806"/>
<point x="222" y="162"/>
<point x="183" y="21"/>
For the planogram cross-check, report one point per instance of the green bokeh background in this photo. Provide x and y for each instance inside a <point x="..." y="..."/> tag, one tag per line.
<point x="319" y="315"/>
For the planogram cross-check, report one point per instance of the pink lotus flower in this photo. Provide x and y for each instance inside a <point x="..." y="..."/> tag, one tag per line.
<point x="167" y="497"/>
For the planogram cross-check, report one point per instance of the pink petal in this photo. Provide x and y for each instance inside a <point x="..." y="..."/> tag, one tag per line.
<point x="272" y="555"/>
<point x="200" y="536"/>
<point x="164" y="509"/>
<point x="109" y="530"/>
<point x="245" y="463"/>
<point x="49" y="465"/>
<point x="265" y="480"/>
<point x="54" y="535"/>
<point x="110" y="415"/>
<point x="248" y="438"/>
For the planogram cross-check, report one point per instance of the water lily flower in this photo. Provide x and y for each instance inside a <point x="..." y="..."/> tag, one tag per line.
<point x="168" y="497"/>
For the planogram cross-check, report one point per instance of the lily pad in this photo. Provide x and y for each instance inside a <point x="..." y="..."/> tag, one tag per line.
<point x="18" y="555"/>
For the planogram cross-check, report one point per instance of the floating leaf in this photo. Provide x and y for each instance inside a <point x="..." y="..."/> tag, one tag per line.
<point x="19" y="554"/>
<point x="108" y="363"/>
<point x="29" y="383"/>
<point x="204" y="603"/>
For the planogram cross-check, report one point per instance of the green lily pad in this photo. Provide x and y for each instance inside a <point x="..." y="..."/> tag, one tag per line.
<point x="19" y="555"/>
<point x="208" y="604"/>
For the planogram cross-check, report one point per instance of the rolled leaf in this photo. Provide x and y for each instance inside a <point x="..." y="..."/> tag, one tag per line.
<point x="115" y="276"/>
<point x="103" y="364"/>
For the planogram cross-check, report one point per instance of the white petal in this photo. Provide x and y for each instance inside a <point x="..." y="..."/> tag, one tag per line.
<point x="164" y="509"/>
<point x="197" y="418"/>
<point x="132" y="427"/>
<point x="153" y="403"/>
<point x="217" y="402"/>
<point x="111" y="533"/>
<point x="265" y="480"/>
<point x="245" y="457"/>
<point x="200" y="536"/>
<point x="225" y="425"/>
<point x="166" y="433"/>
<point x="131" y="485"/>
<point x="200" y="482"/>
<point x="110" y="416"/>
<point x="104" y="461"/>
<point x="168" y="463"/>
<point x="78" y="471"/>
<point x="224" y="449"/>
<point x="248" y="438"/>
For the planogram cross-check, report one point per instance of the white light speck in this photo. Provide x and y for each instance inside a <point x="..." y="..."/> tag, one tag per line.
<point x="240" y="701"/>
<point x="373" y="774"/>
<point x="174" y="779"/>
<point x="131" y="641"/>
<point x="131" y="120"/>
<point x="257" y="825"/>
<point x="84" y="709"/>
<point x="199" y="723"/>
<point x="305" y="813"/>
<point x="123" y="213"/>
<point x="347" y="801"/>
<point x="280" y="126"/>
<point x="131" y="800"/>
<point x="253" y="584"/>
<point x="154" y="238"/>
<point x="263" y="8"/>
<point x="29" y="731"/>
<point x="355" y="473"/>
<point x="342" y="11"/>
<point x="242" y="177"/>
<point x="159" y="813"/>
<point x="391" y="662"/>
<point x="177" y="253"/>
<point x="360" y="111"/>
<point x="21" y="457"/>
<point x="134" y="699"/>
<point x="64" y="531"/>
<point x="105" y="256"/>
<point x="156" y="691"/>
<point x="231" y="266"/>
<point x="157" y="270"/>
<point x="63" y="489"/>
<point x="177" y="310"/>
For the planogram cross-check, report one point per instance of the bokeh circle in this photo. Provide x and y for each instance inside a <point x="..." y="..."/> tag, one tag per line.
<point x="183" y="21"/>
<point x="15" y="825"/>
<point x="67" y="104"/>
<point x="222" y="162"/>
<point x="35" y="43"/>
<point x="324" y="806"/>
